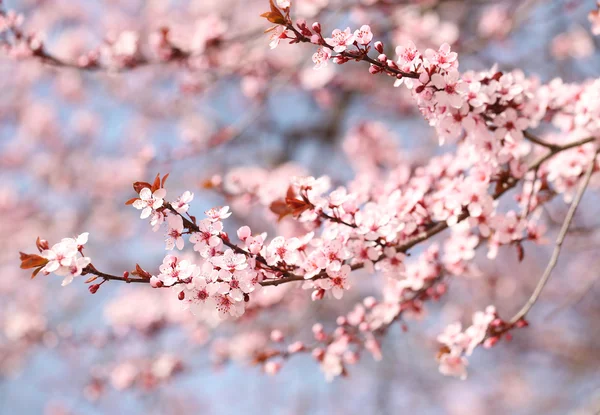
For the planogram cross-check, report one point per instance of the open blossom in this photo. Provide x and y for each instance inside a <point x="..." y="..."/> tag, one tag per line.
<point x="64" y="260"/>
<point x="337" y="281"/>
<point x="443" y="58"/>
<point x="451" y="89"/>
<point x="182" y="204"/>
<point x="229" y="263"/>
<point x="218" y="213"/>
<point x="173" y="270"/>
<point x="278" y="33"/>
<point x="149" y="201"/>
<point x="340" y="40"/>
<point x="363" y="35"/>
<point x="207" y="236"/>
<point x="594" y="18"/>
<point x="241" y="283"/>
<point x="321" y="57"/>
<point x="281" y="250"/>
<point x="453" y="364"/>
<point x="510" y="125"/>
<point x="175" y="232"/>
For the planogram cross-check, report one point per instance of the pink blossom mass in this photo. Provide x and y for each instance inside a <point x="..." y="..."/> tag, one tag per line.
<point x="299" y="206"/>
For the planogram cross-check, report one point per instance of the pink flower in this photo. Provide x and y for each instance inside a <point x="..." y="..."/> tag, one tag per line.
<point x="227" y="306"/>
<point x="207" y="236"/>
<point x="453" y="364"/>
<point x="510" y="125"/>
<point x="321" y="57"/>
<point x="75" y="269"/>
<point x="594" y="18"/>
<point x="182" y="204"/>
<point x="443" y="58"/>
<point x="241" y="283"/>
<point x="175" y="232"/>
<point x="451" y="89"/>
<point x="173" y="271"/>
<point x="363" y="35"/>
<point x="218" y="213"/>
<point x="229" y="262"/>
<point x="149" y="201"/>
<point x="340" y="40"/>
<point x="337" y="281"/>
<point x="408" y="56"/>
<point x="281" y="250"/>
<point x="279" y="33"/>
<point x="331" y="366"/>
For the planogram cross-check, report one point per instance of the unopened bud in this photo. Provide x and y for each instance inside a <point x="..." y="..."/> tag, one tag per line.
<point x="316" y="26"/>
<point x="181" y="295"/>
<point x="382" y="58"/>
<point x="93" y="288"/>
<point x="318" y="294"/>
<point x="378" y="46"/>
<point x="277" y="336"/>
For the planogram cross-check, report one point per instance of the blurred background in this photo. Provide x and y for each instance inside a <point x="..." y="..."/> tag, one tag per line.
<point x="232" y="121"/>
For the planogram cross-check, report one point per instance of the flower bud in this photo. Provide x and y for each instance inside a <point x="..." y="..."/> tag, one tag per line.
<point x="316" y="26"/>
<point x="318" y="294"/>
<point x="93" y="288"/>
<point x="378" y="46"/>
<point x="276" y="336"/>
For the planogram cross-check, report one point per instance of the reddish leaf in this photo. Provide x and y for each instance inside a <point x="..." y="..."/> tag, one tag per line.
<point x="36" y="272"/>
<point x="138" y="186"/>
<point x="274" y="16"/>
<point x="41" y="244"/>
<point x="130" y="201"/>
<point x="164" y="179"/>
<point x="32" y="261"/>
<point x="140" y="272"/>
<point x="520" y="252"/>
<point x="156" y="184"/>
<point x="280" y="208"/>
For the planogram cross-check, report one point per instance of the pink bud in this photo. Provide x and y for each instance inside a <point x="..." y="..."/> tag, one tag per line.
<point x="244" y="232"/>
<point x="271" y="368"/>
<point x="126" y="275"/>
<point x="296" y="347"/>
<point x="350" y="357"/>
<point x="318" y="294"/>
<point x="181" y="296"/>
<point x="155" y="282"/>
<point x="301" y="23"/>
<point x="378" y="46"/>
<point x="318" y="353"/>
<point x="374" y="70"/>
<point x="490" y="342"/>
<point x="369" y="302"/>
<point x="341" y="320"/>
<point x="93" y="288"/>
<point x="522" y="323"/>
<point x="277" y="336"/>
<point x="316" y="26"/>
<point x="382" y="58"/>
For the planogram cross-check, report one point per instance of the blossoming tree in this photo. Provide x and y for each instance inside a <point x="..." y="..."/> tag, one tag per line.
<point x="382" y="248"/>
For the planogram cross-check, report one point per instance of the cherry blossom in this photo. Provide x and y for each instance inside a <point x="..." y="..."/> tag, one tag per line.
<point x="340" y="40"/>
<point x="363" y="35"/>
<point x="149" y="201"/>
<point x="321" y="57"/>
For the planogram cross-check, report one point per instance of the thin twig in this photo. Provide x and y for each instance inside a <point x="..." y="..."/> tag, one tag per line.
<point x="559" y="241"/>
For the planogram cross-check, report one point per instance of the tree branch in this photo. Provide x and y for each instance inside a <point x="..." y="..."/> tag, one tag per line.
<point x="559" y="241"/>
